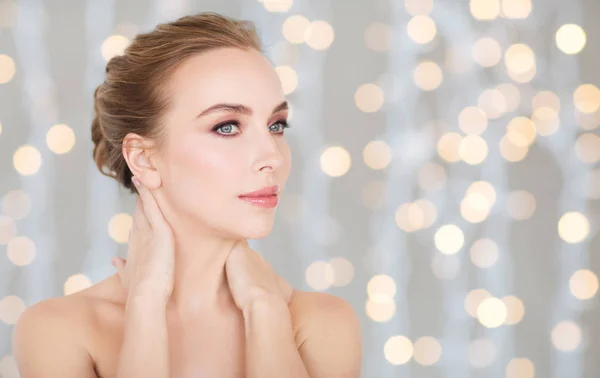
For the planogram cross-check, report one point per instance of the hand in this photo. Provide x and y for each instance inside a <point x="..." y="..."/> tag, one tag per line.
<point x="251" y="277"/>
<point x="149" y="270"/>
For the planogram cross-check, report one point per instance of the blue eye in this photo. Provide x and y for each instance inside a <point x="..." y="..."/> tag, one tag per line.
<point x="226" y="128"/>
<point x="284" y="125"/>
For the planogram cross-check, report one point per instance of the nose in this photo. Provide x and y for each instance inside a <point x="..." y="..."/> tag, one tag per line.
<point x="269" y="154"/>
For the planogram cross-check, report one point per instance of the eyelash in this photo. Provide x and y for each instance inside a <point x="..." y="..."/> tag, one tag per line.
<point x="283" y="122"/>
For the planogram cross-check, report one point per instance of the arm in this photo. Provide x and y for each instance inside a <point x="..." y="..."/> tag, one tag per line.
<point x="145" y="348"/>
<point x="328" y="338"/>
<point x="45" y="344"/>
<point x="270" y="348"/>
<point x="329" y="335"/>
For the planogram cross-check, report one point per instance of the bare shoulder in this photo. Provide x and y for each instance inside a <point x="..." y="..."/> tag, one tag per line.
<point x="314" y="311"/>
<point x="57" y="329"/>
<point x="327" y="333"/>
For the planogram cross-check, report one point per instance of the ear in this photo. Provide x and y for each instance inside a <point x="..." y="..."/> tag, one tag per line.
<point x="138" y="152"/>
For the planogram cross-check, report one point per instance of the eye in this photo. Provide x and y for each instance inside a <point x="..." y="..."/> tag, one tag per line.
<point x="279" y="126"/>
<point x="226" y="128"/>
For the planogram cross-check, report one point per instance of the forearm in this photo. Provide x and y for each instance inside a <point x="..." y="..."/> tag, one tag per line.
<point x="145" y="347"/>
<point x="270" y="347"/>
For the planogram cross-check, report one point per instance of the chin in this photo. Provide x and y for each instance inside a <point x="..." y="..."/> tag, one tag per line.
<point x="255" y="229"/>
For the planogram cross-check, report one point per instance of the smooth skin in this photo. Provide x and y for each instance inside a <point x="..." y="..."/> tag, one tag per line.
<point x="192" y="299"/>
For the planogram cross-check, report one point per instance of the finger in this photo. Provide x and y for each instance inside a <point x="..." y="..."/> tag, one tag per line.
<point x="151" y="209"/>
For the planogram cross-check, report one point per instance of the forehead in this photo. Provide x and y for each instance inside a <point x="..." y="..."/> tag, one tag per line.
<point x="226" y="75"/>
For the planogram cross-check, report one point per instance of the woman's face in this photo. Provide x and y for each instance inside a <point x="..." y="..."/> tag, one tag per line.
<point x="214" y="154"/>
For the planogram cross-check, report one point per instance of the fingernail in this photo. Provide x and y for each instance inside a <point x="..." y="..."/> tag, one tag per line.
<point x="136" y="181"/>
<point x="112" y="261"/>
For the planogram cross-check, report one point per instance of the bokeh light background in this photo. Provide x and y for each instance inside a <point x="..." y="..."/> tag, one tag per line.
<point x="445" y="177"/>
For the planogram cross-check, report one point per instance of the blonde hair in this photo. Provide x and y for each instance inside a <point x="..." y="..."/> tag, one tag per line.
<point x="133" y="97"/>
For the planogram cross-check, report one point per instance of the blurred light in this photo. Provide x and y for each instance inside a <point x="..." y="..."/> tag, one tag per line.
<point x="428" y="75"/>
<point x="294" y="29"/>
<point x="427" y="350"/>
<point x="566" y="336"/>
<point x="368" y="98"/>
<point x="11" y="308"/>
<point x="520" y="368"/>
<point x="475" y="208"/>
<point x="398" y="350"/>
<point x="521" y="204"/>
<point x="378" y="36"/>
<point x="546" y="120"/>
<point x="485" y="189"/>
<point x="113" y="46"/>
<point x="288" y="77"/>
<point x="8" y="229"/>
<point x="587" y="98"/>
<point x="587" y="148"/>
<point x="521" y="131"/>
<point x="418" y="7"/>
<point x="484" y="253"/>
<point x="445" y="267"/>
<point x="277" y="5"/>
<point x="482" y="352"/>
<point x="487" y="52"/>
<point x="573" y="227"/>
<point x="512" y="96"/>
<point x="519" y="58"/>
<point x="374" y="195"/>
<point x="432" y="176"/>
<point x="474" y="299"/>
<point x="492" y="312"/>
<point x="570" y="39"/>
<point x="421" y="29"/>
<point x="377" y="154"/>
<point x="512" y="152"/>
<point x="381" y="310"/>
<point x="516" y="9"/>
<point x="492" y="103"/>
<point x="119" y="227"/>
<point x="485" y="10"/>
<point x="335" y="161"/>
<point x="592" y="184"/>
<point x="473" y="149"/>
<point x="75" y="283"/>
<point x="546" y="99"/>
<point x="319" y="275"/>
<point x="449" y="239"/>
<point x="583" y="284"/>
<point x="410" y="217"/>
<point x="428" y="210"/>
<point x="515" y="309"/>
<point x="16" y="204"/>
<point x="319" y="35"/>
<point x="27" y="160"/>
<point x="7" y="68"/>
<point x="472" y="120"/>
<point x="343" y="271"/>
<point x="21" y="251"/>
<point x="60" y="139"/>
<point x="448" y="147"/>
<point x="381" y="287"/>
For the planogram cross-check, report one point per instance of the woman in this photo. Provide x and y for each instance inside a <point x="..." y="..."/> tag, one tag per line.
<point x="192" y="119"/>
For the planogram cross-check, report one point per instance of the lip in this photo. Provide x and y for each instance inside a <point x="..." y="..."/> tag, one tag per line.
<point x="267" y="191"/>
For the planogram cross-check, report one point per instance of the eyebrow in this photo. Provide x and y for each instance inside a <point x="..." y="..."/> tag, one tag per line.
<point x="238" y="108"/>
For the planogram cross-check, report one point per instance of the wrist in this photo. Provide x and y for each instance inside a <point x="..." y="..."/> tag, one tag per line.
<point x="264" y="303"/>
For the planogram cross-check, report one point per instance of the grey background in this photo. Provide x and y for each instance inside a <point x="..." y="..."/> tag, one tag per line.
<point x="56" y="48"/>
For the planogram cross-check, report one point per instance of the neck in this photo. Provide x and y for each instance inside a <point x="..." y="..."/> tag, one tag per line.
<point x="200" y="282"/>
